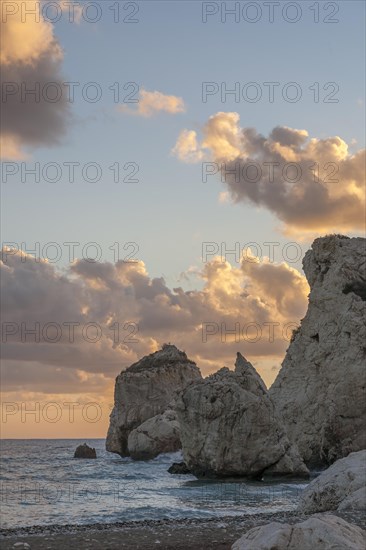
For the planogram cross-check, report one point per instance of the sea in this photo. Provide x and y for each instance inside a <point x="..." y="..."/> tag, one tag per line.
<point x="42" y="484"/>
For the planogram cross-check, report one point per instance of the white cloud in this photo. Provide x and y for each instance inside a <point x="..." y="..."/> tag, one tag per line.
<point x="151" y="103"/>
<point x="186" y="148"/>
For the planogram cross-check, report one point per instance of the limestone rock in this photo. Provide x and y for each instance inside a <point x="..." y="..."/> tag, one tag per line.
<point x="320" y="532"/>
<point x="355" y="501"/>
<point x="340" y="487"/>
<point x="145" y="390"/>
<point x="229" y="427"/>
<point x="84" y="451"/>
<point x="320" y="391"/>
<point x="156" y="435"/>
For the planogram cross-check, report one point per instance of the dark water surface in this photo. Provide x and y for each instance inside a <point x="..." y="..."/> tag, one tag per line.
<point x="42" y="484"/>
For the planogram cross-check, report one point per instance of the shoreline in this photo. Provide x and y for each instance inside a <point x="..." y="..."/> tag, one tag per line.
<point x="216" y="533"/>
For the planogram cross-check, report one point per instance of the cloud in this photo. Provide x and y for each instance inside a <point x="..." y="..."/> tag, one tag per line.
<point x="110" y="295"/>
<point x="186" y="148"/>
<point x="221" y="140"/>
<point x="222" y="136"/>
<point x="31" y="59"/>
<point x="310" y="184"/>
<point x="10" y="148"/>
<point x="224" y="197"/>
<point x="24" y="40"/>
<point x="151" y="103"/>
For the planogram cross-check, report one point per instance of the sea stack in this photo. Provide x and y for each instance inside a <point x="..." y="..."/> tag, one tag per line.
<point x="229" y="427"/>
<point x="145" y="390"/>
<point x="320" y="391"/>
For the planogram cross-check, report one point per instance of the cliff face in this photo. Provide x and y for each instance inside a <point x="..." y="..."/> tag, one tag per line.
<point x="228" y="423"/>
<point x="320" y="390"/>
<point x="229" y="427"/>
<point x="145" y="390"/>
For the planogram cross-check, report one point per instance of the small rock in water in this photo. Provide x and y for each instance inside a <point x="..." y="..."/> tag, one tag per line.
<point x="84" y="451"/>
<point x="24" y="545"/>
<point x="179" y="468"/>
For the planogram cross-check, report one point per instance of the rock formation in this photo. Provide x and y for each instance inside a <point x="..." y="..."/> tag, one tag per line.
<point x="320" y="390"/>
<point x="145" y="390"/>
<point x="320" y="532"/>
<point x="156" y="435"/>
<point x="229" y="427"/>
<point x="179" y="468"/>
<point x="84" y="451"/>
<point x="340" y="487"/>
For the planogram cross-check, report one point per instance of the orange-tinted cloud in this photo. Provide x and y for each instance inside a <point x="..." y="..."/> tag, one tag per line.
<point x="251" y="308"/>
<point x="31" y="59"/>
<point x="110" y="294"/>
<point x="311" y="184"/>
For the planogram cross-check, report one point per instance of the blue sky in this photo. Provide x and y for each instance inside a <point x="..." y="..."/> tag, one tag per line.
<point x="170" y="212"/>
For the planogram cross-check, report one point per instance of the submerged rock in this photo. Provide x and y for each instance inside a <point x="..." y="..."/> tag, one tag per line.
<point x="340" y="487"/>
<point x="320" y="532"/>
<point x="229" y="427"/>
<point x="320" y="391"/>
<point x="157" y="435"/>
<point x="145" y="390"/>
<point x="179" y="468"/>
<point x="84" y="451"/>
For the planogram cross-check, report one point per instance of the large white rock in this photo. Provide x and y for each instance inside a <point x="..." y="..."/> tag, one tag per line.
<point x="155" y="436"/>
<point x="320" y="391"/>
<point x="145" y="390"/>
<point x="354" y="501"/>
<point x="229" y="427"/>
<point x="342" y="486"/>
<point x="320" y="532"/>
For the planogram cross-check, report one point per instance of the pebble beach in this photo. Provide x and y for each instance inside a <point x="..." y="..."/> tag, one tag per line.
<point x="193" y="534"/>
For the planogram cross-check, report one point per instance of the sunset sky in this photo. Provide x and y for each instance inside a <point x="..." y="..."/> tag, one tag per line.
<point x="168" y="140"/>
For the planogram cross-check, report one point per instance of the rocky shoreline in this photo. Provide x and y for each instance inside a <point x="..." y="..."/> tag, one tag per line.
<point x="217" y="533"/>
<point x="230" y="425"/>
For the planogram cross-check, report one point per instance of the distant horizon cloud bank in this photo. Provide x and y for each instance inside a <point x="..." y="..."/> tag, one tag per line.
<point x="73" y="331"/>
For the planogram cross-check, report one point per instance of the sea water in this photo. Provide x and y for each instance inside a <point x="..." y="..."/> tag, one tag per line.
<point x="42" y="484"/>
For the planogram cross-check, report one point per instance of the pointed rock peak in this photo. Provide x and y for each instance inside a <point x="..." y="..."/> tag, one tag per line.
<point x="242" y="362"/>
<point x="251" y="379"/>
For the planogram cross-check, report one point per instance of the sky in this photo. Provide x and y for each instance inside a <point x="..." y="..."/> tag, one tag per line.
<point x="184" y="159"/>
